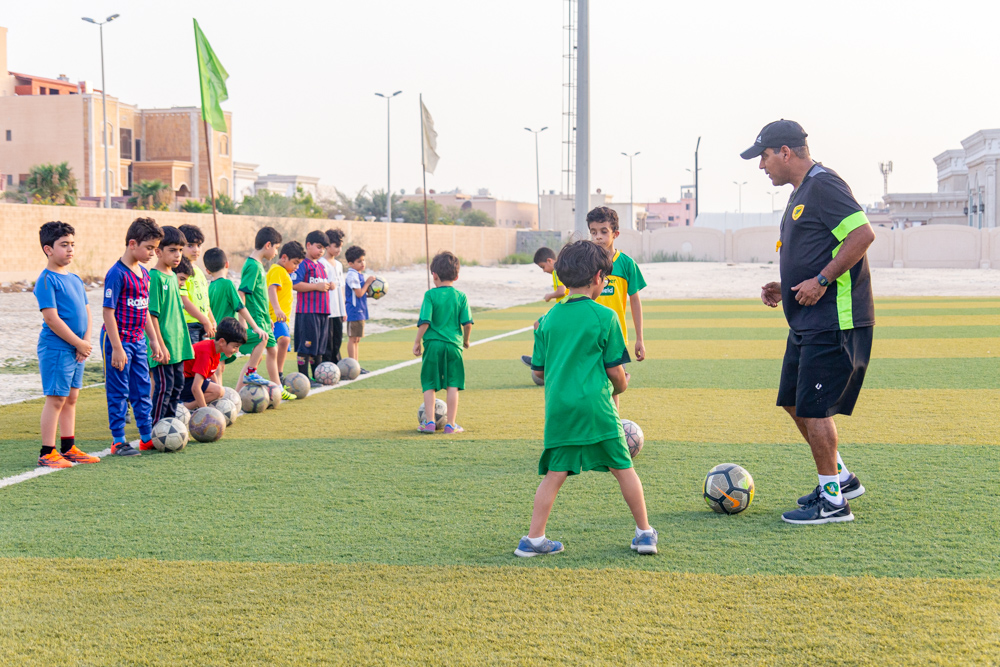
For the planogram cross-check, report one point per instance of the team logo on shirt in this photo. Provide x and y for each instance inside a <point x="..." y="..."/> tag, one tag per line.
<point x="797" y="211"/>
<point x="608" y="290"/>
<point x="107" y="293"/>
<point x="141" y="304"/>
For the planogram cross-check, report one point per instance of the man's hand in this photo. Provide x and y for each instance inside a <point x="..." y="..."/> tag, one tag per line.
<point x="808" y="292"/>
<point x="770" y="294"/>
<point x="83" y="349"/>
<point x="119" y="359"/>
<point x="416" y="349"/>
<point x="640" y="350"/>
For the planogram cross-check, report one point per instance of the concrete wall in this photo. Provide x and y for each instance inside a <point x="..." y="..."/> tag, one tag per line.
<point x="100" y="237"/>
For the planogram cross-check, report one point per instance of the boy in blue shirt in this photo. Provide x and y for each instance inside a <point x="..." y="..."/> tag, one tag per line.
<point x="63" y="345"/>
<point x="356" y="299"/>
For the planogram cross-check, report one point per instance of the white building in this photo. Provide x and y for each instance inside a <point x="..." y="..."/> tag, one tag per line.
<point x="558" y="212"/>
<point x="244" y="180"/>
<point x="287" y="184"/>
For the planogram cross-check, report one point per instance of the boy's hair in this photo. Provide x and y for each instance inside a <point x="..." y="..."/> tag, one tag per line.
<point x="142" y="230"/>
<point x="543" y="254"/>
<point x="231" y="330"/>
<point x="215" y="259"/>
<point x="317" y="237"/>
<point x="603" y="214"/>
<point x="51" y="232"/>
<point x="354" y="253"/>
<point x="579" y="262"/>
<point x="184" y="267"/>
<point x="445" y="265"/>
<point x="293" y="250"/>
<point x="172" y="236"/>
<point x="336" y="237"/>
<point x="266" y="235"/>
<point x="192" y="233"/>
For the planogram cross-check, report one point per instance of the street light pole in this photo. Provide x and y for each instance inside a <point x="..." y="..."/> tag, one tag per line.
<point x="631" y="193"/>
<point x="388" y="150"/>
<point x="772" y="200"/>
<point x="104" y="109"/>
<point x="740" y="186"/>
<point x="538" y="174"/>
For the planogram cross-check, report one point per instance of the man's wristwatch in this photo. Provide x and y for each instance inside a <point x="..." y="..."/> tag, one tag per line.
<point x="823" y="282"/>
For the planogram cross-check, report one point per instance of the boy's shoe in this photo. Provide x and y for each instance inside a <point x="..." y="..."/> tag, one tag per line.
<point x="146" y="446"/>
<point x="53" y="460"/>
<point x="525" y="549"/>
<point x="363" y="372"/>
<point x="820" y="511"/>
<point x="313" y="384"/>
<point x="526" y="360"/>
<point x="255" y="378"/>
<point x="427" y="427"/>
<point x="287" y="395"/>
<point x="77" y="456"/>
<point x="850" y="489"/>
<point x="124" y="449"/>
<point x="645" y="544"/>
<point x="453" y="428"/>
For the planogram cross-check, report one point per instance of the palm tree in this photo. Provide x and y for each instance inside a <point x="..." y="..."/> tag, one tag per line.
<point x="52" y="184"/>
<point x="146" y="193"/>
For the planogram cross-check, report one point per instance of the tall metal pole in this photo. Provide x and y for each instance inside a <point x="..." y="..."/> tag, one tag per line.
<point x="696" y="192"/>
<point x="423" y="170"/>
<point x="211" y="183"/>
<point x="631" y="195"/>
<point x="740" y="186"/>
<point x="388" y="150"/>
<point x="104" y="110"/>
<point x="582" y="118"/>
<point x="538" y="174"/>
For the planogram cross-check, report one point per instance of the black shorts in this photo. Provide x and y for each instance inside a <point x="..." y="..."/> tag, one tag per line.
<point x="187" y="395"/>
<point x="822" y="373"/>
<point x="312" y="332"/>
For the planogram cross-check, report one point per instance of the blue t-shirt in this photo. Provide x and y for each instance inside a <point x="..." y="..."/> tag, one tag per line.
<point x="357" y="306"/>
<point x="64" y="292"/>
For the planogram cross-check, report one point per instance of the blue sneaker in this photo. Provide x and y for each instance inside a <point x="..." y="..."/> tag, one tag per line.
<point x="525" y="549"/>
<point x="255" y="378"/>
<point x="645" y="544"/>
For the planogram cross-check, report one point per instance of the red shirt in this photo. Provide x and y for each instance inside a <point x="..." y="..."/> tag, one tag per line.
<point x="205" y="362"/>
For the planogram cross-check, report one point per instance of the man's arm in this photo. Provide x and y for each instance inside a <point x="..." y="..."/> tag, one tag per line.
<point x="770" y="294"/>
<point x="61" y="329"/>
<point x="421" y="330"/>
<point x="853" y="248"/>
<point x="635" y="305"/>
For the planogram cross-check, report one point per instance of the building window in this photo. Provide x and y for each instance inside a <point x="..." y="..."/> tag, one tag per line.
<point x="125" y="142"/>
<point x="687" y="207"/>
<point x="10" y="179"/>
<point x="8" y="135"/>
<point x="224" y="186"/>
<point x="111" y="135"/>
<point x="223" y="145"/>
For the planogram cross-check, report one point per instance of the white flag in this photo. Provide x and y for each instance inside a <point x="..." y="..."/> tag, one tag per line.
<point x="430" y="140"/>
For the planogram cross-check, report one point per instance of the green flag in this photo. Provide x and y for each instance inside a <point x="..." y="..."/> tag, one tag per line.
<point x="213" y="82"/>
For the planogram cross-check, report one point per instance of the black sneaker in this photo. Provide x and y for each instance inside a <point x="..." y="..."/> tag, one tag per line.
<point x="821" y="511"/>
<point x="363" y="372"/>
<point x="124" y="449"/>
<point x="526" y="360"/>
<point x="315" y="385"/>
<point x="850" y="489"/>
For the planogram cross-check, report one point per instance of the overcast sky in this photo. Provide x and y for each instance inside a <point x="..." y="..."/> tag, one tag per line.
<point x="869" y="81"/>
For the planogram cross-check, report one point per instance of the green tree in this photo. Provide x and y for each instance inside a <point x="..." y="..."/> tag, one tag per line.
<point x="413" y="211"/>
<point x="224" y="204"/>
<point x="195" y="206"/>
<point x="52" y="184"/>
<point x="148" y="195"/>
<point x="471" y="217"/>
<point x="340" y="204"/>
<point x="305" y="206"/>
<point x="267" y="204"/>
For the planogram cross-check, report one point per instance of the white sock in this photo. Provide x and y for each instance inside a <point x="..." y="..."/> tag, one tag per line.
<point x="639" y="532"/>
<point x="537" y="541"/>
<point x="830" y="488"/>
<point x="842" y="471"/>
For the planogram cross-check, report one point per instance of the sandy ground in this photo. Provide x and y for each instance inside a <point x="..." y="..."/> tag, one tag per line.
<point x="501" y="287"/>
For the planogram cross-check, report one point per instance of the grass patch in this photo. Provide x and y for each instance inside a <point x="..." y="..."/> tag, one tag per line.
<point x="664" y="256"/>
<point x="518" y="258"/>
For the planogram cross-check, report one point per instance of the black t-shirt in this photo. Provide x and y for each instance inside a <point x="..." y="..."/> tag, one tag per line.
<point x="819" y="215"/>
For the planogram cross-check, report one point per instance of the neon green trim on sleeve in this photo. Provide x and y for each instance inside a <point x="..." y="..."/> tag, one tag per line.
<point x="849" y="224"/>
<point x="845" y="300"/>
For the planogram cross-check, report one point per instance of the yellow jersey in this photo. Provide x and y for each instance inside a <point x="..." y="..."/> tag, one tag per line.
<point x="624" y="281"/>
<point x="276" y="275"/>
<point x="556" y="284"/>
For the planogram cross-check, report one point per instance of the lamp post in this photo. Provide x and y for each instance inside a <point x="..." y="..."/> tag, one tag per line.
<point x="631" y="198"/>
<point x="388" y="151"/>
<point x="104" y="109"/>
<point x="772" y="200"/>
<point x="538" y="175"/>
<point x="740" y="186"/>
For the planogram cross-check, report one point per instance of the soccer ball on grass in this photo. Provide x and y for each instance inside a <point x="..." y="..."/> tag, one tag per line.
<point x="207" y="424"/>
<point x="170" y="435"/>
<point x="728" y="489"/>
<point x="227" y="408"/>
<point x="440" y="413"/>
<point x="254" y="398"/>
<point x="350" y="369"/>
<point x="327" y="373"/>
<point x="634" y="437"/>
<point x="298" y="384"/>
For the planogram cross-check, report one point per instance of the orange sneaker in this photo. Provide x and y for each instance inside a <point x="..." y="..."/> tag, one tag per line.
<point x="146" y="446"/>
<point x="77" y="456"/>
<point x="53" y="460"/>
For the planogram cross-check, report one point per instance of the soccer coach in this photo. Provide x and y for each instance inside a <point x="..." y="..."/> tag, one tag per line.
<point x="826" y="292"/>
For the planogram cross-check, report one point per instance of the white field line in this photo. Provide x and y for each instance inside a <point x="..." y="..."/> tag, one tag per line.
<point x="38" y="472"/>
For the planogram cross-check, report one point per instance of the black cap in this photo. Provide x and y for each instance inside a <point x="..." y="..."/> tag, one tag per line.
<point x="775" y="135"/>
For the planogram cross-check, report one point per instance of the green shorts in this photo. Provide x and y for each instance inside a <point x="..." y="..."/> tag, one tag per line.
<point x="442" y="366"/>
<point x="253" y="339"/>
<point x="574" y="459"/>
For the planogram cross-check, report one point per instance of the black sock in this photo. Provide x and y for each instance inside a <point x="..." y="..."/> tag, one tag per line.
<point x="303" y="365"/>
<point x="47" y="450"/>
<point x="66" y="444"/>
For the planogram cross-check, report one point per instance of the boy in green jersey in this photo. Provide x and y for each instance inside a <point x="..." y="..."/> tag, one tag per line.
<point x="226" y="302"/>
<point x="166" y="314"/>
<point x="253" y="290"/>
<point x="444" y="326"/>
<point x="194" y="290"/>
<point x="579" y="352"/>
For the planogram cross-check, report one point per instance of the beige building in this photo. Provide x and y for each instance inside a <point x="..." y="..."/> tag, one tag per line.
<point x="509" y="214"/>
<point x="558" y="211"/>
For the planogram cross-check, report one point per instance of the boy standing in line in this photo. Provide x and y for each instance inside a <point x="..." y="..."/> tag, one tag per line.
<point x="166" y="313"/>
<point x="445" y="325"/>
<point x="253" y="290"/>
<point x="312" y="307"/>
<point x="194" y="291"/>
<point x="545" y="259"/>
<point x="202" y="379"/>
<point x="63" y="345"/>
<point x="226" y="302"/>
<point x="335" y="273"/>
<point x="356" y="302"/>
<point x="579" y="351"/>
<point x="280" y="297"/>
<point x="126" y="332"/>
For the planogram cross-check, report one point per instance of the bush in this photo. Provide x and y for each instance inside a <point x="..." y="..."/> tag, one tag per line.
<point x="195" y="206"/>
<point x="518" y="258"/>
<point x="662" y="256"/>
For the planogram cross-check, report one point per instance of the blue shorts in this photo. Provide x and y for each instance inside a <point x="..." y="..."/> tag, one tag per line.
<point x="60" y="370"/>
<point x="187" y="395"/>
<point x="281" y="331"/>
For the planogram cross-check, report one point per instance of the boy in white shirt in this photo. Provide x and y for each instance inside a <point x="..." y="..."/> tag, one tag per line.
<point x="338" y="311"/>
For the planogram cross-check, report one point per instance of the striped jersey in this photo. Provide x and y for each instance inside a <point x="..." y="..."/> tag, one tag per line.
<point x="311" y="272"/>
<point x="128" y="294"/>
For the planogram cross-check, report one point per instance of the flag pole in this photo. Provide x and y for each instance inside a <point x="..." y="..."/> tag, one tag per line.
<point x="423" y="164"/>
<point x="211" y="181"/>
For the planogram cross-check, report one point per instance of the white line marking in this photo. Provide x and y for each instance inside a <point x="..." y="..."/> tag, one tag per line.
<point x="38" y="472"/>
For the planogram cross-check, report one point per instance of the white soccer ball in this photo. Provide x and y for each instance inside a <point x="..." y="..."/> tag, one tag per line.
<point x="170" y="435"/>
<point x="440" y="413"/>
<point x="633" y="437"/>
<point x="227" y="408"/>
<point x="183" y="413"/>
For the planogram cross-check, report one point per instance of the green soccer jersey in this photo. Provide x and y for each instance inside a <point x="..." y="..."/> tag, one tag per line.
<point x="165" y="305"/>
<point x="253" y="283"/>
<point x="575" y="344"/>
<point x="196" y="289"/>
<point x="446" y="311"/>
<point x="224" y="298"/>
